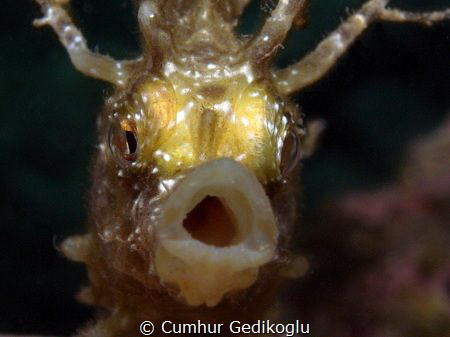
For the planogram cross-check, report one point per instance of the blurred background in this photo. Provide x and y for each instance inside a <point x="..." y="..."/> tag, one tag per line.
<point x="392" y="87"/>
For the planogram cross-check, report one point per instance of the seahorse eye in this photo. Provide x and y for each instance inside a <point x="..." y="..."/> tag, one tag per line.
<point x="291" y="152"/>
<point x="123" y="141"/>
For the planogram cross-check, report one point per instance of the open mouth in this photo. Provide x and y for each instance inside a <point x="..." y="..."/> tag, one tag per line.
<point x="212" y="223"/>
<point x="216" y="229"/>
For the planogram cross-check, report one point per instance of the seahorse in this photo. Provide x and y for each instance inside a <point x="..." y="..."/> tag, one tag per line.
<point x="193" y="203"/>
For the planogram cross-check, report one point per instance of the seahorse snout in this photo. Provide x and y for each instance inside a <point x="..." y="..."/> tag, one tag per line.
<point x="216" y="230"/>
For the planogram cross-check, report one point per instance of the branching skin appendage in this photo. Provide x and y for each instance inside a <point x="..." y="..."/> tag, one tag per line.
<point x="192" y="204"/>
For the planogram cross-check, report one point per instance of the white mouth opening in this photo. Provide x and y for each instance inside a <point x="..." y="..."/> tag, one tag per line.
<point x="216" y="229"/>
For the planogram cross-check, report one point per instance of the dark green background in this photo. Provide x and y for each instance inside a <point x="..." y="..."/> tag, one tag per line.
<point x="393" y="86"/>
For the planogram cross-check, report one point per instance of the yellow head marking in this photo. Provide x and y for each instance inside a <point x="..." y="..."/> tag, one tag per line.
<point x="182" y="128"/>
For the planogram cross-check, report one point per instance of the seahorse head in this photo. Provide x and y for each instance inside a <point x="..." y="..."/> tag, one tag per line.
<point x="196" y="159"/>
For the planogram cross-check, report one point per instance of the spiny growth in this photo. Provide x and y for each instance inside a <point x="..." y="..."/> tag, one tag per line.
<point x="193" y="200"/>
<point x="182" y="28"/>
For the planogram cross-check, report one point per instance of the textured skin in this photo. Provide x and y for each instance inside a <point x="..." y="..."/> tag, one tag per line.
<point x="192" y="60"/>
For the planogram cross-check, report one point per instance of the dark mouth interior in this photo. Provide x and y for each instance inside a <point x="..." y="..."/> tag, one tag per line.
<point x="211" y="223"/>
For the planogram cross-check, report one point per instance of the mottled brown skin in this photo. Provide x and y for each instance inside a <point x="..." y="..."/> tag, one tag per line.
<point x="177" y="104"/>
<point x="122" y="277"/>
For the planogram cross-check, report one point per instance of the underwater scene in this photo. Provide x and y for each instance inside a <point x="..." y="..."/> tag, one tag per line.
<point x="226" y="167"/>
